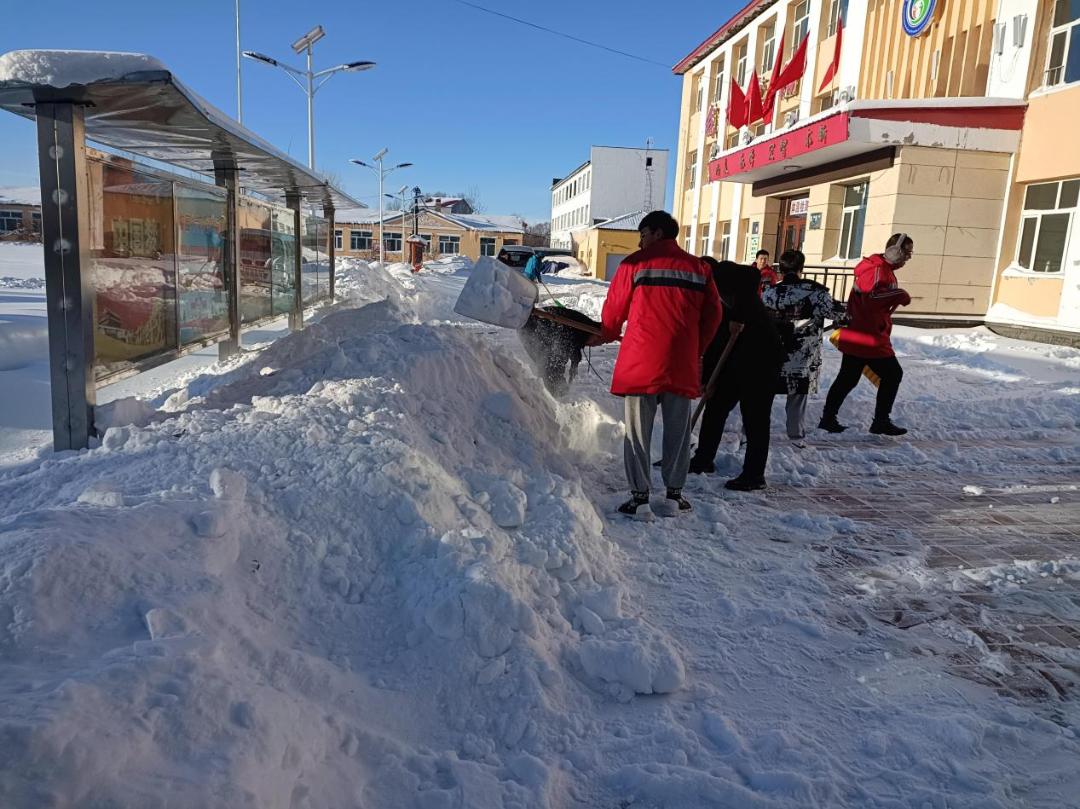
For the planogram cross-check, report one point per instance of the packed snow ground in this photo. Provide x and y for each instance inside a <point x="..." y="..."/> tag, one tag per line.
<point x="376" y="565"/>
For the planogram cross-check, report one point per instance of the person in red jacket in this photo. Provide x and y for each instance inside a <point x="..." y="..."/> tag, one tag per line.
<point x="866" y="341"/>
<point x="669" y="304"/>
<point x="769" y="278"/>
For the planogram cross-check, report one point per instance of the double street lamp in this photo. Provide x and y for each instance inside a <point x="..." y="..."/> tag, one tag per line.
<point x="382" y="172"/>
<point x="306" y="79"/>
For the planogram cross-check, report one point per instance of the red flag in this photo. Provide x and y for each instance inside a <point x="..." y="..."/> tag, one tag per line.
<point x="835" y="64"/>
<point x="795" y="69"/>
<point x="736" y="108"/>
<point x="770" y="94"/>
<point x="753" y="99"/>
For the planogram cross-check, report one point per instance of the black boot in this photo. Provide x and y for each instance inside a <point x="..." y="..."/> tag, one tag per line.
<point x="886" y="427"/>
<point x="830" y="424"/>
<point x="675" y="504"/>
<point x="637" y="507"/>
<point x="700" y="466"/>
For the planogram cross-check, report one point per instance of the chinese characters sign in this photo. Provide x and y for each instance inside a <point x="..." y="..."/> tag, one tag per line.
<point x="826" y="132"/>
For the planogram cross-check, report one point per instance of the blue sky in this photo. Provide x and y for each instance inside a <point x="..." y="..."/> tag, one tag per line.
<point x="471" y="99"/>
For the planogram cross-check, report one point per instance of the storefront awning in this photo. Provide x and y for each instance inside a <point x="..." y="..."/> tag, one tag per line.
<point x="135" y="104"/>
<point x="865" y="128"/>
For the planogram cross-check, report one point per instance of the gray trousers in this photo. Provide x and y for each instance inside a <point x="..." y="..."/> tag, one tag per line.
<point x="640" y="412"/>
<point x="796" y="415"/>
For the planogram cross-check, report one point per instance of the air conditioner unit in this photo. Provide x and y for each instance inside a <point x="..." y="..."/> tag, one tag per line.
<point x="1020" y="22"/>
<point x="791" y="117"/>
<point x="847" y="94"/>
<point x="745" y="135"/>
<point x="999" y="38"/>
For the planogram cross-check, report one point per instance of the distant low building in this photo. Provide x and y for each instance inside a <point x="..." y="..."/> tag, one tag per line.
<point x="604" y="245"/>
<point x="20" y="213"/>
<point x="357" y="233"/>
<point x="449" y="205"/>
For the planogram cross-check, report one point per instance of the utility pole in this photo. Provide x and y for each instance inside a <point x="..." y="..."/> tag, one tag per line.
<point x="239" y="88"/>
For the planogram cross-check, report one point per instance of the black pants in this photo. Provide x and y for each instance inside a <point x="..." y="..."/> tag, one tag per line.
<point x="851" y="369"/>
<point x="755" y="401"/>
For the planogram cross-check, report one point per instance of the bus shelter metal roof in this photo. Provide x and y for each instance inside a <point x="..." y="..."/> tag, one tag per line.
<point x="134" y="103"/>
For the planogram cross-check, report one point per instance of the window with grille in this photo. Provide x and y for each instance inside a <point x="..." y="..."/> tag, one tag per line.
<point x="802" y="24"/>
<point x="768" y="49"/>
<point x="725" y="241"/>
<point x="1049" y="210"/>
<point x="854" y="218"/>
<point x="337" y="239"/>
<point x="1063" y="59"/>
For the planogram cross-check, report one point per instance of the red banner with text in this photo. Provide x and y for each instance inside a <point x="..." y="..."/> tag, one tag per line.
<point x="818" y="135"/>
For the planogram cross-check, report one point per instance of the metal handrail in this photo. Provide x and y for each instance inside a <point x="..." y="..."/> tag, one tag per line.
<point x="838" y="279"/>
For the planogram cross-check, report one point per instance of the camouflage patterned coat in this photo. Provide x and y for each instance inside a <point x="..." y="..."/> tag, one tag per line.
<point x="801" y="308"/>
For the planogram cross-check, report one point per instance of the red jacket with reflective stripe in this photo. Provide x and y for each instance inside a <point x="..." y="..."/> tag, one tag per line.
<point x="873" y="299"/>
<point x="669" y="303"/>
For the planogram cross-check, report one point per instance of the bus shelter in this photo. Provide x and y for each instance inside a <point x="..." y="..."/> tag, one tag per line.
<point x="181" y="230"/>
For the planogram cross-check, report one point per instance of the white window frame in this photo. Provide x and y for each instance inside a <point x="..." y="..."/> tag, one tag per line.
<point x="339" y="238"/>
<point x="706" y="244"/>
<point x="1069" y="30"/>
<point x="360" y="235"/>
<point x="802" y="22"/>
<point x="768" y="49"/>
<point x="449" y="245"/>
<point x="849" y="214"/>
<point x="691" y="168"/>
<point x="1038" y="214"/>
<point x="837" y="12"/>
<point x="487" y="245"/>
<point x="740" y="66"/>
<point x="390" y="238"/>
<point x="699" y="91"/>
<point x="8" y="217"/>
<point x="721" y="67"/>
<point x="725" y="241"/>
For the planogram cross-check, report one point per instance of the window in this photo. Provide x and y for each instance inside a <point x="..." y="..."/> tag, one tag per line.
<point x="10" y="220"/>
<point x="802" y="24"/>
<point x="851" y="229"/>
<point x="35" y="222"/>
<point x="337" y="239"/>
<point x="740" y="66"/>
<point x="718" y="87"/>
<point x="706" y="245"/>
<point x="360" y="239"/>
<point x="691" y="170"/>
<point x="837" y="13"/>
<point x="699" y="91"/>
<point x="450" y="244"/>
<point x="725" y="241"/>
<point x="392" y="242"/>
<point x="768" y="49"/>
<point x="1063" y="63"/>
<point x="1044" y="231"/>
<point x="487" y="246"/>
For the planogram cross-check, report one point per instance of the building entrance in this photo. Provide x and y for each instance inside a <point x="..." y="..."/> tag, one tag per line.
<point x="792" y="229"/>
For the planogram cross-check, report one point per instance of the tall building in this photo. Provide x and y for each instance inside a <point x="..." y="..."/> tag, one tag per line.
<point x="612" y="182"/>
<point x="951" y="121"/>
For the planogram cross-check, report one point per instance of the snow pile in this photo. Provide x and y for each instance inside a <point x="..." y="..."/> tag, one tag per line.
<point x="63" y="68"/>
<point x="366" y="574"/>
<point x="22" y="343"/>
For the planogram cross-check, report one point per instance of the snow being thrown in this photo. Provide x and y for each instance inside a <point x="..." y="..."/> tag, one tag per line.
<point x="373" y="567"/>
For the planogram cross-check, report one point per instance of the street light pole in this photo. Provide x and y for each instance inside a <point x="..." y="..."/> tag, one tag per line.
<point x="381" y="172"/>
<point x="306" y="79"/>
<point x="239" y="89"/>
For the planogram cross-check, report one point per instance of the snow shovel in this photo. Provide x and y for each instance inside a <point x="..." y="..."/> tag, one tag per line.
<point x="734" y="330"/>
<point x="499" y="295"/>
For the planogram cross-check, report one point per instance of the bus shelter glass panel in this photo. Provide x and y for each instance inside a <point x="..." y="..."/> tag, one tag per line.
<point x="284" y="261"/>
<point x="324" y="258"/>
<point x="201" y="224"/>
<point x="256" y="260"/>
<point x="313" y="259"/>
<point x="133" y="267"/>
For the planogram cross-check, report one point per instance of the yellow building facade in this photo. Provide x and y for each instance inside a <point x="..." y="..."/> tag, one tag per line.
<point x="931" y="117"/>
<point x="357" y="234"/>
<point x="606" y="244"/>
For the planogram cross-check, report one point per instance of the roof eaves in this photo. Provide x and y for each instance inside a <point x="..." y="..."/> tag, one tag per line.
<point x="722" y="34"/>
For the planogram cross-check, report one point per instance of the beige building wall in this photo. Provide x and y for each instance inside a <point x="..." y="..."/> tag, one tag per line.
<point x="469" y="239"/>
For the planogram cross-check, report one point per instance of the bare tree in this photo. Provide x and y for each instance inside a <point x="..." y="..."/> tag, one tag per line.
<point x="472" y="196"/>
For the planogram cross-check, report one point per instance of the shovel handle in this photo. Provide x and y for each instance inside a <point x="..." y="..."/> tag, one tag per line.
<point x="734" y="330"/>
<point x="566" y="321"/>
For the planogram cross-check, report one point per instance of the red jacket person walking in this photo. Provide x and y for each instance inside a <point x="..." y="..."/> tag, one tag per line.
<point x="867" y="340"/>
<point x="669" y="304"/>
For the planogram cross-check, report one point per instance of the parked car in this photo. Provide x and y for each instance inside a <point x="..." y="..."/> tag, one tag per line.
<point x="553" y="258"/>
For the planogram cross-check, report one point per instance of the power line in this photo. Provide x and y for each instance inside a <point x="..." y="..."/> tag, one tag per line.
<point x="562" y="34"/>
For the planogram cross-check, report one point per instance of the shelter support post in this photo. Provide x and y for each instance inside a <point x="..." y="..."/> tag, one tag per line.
<point x="296" y="314"/>
<point x="227" y="178"/>
<point x="329" y="214"/>
<point x="69" y="294"/>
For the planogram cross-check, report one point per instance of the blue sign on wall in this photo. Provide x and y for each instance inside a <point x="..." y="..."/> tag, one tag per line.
<point x="918" y="14"/>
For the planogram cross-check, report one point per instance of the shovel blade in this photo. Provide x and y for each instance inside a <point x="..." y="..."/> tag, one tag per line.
<point x="497" y="294"/>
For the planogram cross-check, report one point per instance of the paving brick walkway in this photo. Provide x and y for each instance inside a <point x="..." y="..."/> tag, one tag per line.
<point x="993" y="568"/>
